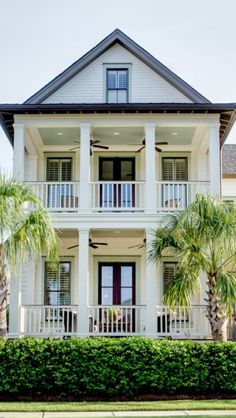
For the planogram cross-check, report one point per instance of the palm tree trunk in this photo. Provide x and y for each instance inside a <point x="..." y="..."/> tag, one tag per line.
<point x="215" y="313"/>
<point x="3" y="296"/>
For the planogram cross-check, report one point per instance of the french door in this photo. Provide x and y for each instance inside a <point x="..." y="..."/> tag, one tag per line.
<point x="117" y="287"/>
<point x="116" y="191"/>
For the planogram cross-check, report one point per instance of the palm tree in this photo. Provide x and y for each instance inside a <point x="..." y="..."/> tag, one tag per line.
<point x="25" y="230"/>
<point x="203" y="238"/>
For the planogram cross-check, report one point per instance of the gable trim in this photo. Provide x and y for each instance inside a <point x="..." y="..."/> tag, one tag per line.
<point x="117" y="36"/>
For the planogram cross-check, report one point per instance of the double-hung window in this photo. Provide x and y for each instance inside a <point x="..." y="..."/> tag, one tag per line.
<point x="117" y="85"/>
<point x="58" y="283"/>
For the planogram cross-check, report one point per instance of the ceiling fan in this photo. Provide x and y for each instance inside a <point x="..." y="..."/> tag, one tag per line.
<point x="156" y="143"/>
<point x="91" y="244"/>
<point x="93" y="144"/>
<point x="139" y="246"/>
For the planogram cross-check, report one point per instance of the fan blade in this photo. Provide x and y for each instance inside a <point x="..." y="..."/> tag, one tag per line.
<point x="73" y="246"/>
<point x="100" y="146"/>
<point x="94" y="141"/>
<point x="134" y="246"/>
<point x="99" y="243"/>
<point x="139" y="150"/>
<point x="72" y="149"/>
<point x="161" y="143"/>
<point x="158" y="149"/>
<point x="93" y="246"/>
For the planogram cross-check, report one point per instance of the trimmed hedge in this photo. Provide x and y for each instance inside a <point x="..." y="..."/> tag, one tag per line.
<point x="115" y="368"/>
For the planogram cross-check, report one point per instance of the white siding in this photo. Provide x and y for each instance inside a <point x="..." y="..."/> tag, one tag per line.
<point x="229" y="188"/>
<point x="88" y="85"/>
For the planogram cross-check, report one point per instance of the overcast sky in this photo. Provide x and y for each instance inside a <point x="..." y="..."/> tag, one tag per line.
<point x="40" y="38"/>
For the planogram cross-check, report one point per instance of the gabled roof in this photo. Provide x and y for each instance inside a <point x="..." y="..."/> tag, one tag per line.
<point x="229" y="159"/>
<point x="117" y="36"/>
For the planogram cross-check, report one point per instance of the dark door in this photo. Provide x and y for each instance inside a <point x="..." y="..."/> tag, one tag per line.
<point x="117" y="287"/>
<point x="114" y="195"/>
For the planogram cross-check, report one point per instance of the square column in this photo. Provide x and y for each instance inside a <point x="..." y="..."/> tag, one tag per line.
<point x="83" y="282"/>
<point x="214" y="159"/>
<point x="150" y="191"/>
<point x="84" y="200"/>
<point x="19" y="151"/>
<point x="151" y="291"/>
<point x="15" y="303"/>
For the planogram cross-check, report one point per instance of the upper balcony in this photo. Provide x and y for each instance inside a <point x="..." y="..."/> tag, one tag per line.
<point x="113" y="164"/>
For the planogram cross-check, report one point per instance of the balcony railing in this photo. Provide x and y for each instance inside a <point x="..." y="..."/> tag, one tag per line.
<point x="117" y="320"/>
<point x="172" y="196"/>
<point x="57" y="196"/>
<point x="48" y="320"/>
<point x="188" y="322"/>
<point x="117" y="196"/>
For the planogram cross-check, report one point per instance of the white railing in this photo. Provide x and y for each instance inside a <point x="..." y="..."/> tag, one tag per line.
<point x="57" y="196"/>
<point x="46" y="320"/>
<point x="188" y="322"/>
<point x="117" y="320"/>
<point x="175" y="195"/>
<point x="121" y="196"/>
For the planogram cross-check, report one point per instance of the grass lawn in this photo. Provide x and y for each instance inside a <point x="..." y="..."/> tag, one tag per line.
<point x="117" y="406"/>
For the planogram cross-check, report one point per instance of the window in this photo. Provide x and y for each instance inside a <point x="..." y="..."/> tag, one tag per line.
<point x="59" y="169"/>
<point x="58" y="283"/>
<point x="174" y="169"/>
<point x="117" y="85"/>
<point x="169" y="271"/>
<point x="59" y="174"/>
<point x="174" y="191"/>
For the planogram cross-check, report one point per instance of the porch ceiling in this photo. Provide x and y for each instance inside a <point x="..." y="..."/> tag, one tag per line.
<point x="104" y="233"/>
<point x="117" y="136"/>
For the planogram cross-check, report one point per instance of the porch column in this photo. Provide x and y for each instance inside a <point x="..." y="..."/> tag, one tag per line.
<point x="33" y="167"/>
<point x="214" y="159"/>
<point x="150" y="191"/>
<point x="151" y="291"/>
<point x="19" y="151"/>
<point x="14" y="305"/>
<point x="84" y="200"/>
<point x="83" y="282"/>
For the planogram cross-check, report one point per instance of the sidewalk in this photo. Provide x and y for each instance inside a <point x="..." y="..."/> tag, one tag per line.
<point x="213" y="413"/>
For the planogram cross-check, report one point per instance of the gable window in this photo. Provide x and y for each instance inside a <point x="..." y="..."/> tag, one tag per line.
<point x="58" y="283"/>
<point x="117" y="85"/>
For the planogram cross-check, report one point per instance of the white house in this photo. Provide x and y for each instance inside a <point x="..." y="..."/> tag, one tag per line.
<point x="229" y="172"/>
<point x="111" y="146"/>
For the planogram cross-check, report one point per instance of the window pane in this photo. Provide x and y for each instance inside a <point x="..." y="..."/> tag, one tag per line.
<point x="107" y="276"/>
<point x="122" y="79"/>
<point x="57" y="284"/>
<point x="112" y="96"/>
<point x="126" y="296"/>
<point x="107" y="296"/>
<point x="126" y="276"/>
<point x="122" y="96"/>
<point x="112" y="79"/>
<point x="126" y="170"/>
<point x="107" y="170"/>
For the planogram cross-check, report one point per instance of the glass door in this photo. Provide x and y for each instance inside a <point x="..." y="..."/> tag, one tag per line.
<point x="117" y="191"/>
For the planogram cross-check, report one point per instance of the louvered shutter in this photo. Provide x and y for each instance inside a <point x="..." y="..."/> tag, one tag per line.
<point x="66" y="170"/>
<point x="58" y="284"/>
<point x="53" y="170"/>
<point x="181" y="169"/>
<point x="169" y="271"/>
<point x="168" y="169"/>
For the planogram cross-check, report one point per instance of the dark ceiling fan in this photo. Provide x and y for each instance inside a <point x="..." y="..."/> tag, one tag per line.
<point x="139" y="246"/>
<point x="156" y="143"/>
<point x="93" y="144"/>
<point x="91" y="244"/>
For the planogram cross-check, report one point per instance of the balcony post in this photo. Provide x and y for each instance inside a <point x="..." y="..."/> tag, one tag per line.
<point x="15" y="303"/>
<point x="83" y="282"/>
<point x="150" y="167"/>
<point x="19" y="151"/>
<point x="84" y="167"/>
<point x="214" y="159"/>
<point x="151" y="291"/>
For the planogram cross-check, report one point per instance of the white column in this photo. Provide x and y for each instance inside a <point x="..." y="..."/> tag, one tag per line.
<point x="83" y="282"/>
<point x="214" y="159"/>
<point x="19" y="151"/>
<point x="84" y="167"/>
<point x="151" y="291"/>
<point x="150" y="168"/>
<point x="14" y="305"/>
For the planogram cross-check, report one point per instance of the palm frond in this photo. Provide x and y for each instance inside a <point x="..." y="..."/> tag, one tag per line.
<point x="181" y="289"/>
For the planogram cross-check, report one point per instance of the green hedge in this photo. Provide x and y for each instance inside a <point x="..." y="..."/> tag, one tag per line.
<point x="115" y="368"/>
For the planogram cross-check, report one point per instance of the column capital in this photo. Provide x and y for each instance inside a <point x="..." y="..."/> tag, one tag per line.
<point x="18" y="125"/>
<point x="148" y="125"/>
<point x="83" y="230"/>
<point x="85" y="125"/>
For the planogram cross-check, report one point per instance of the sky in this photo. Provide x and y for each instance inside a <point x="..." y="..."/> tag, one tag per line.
<point x="40" y="38"/>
